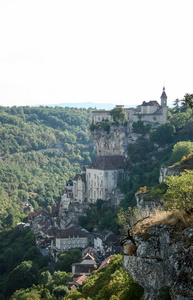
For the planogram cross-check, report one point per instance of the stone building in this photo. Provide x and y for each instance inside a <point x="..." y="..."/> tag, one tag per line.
<point x="150" y="112"/>
<point x="100" y="180"/>
<point x="103" y="175"/>
<point x="79" y="187"/>
<point x="71" y="238"/>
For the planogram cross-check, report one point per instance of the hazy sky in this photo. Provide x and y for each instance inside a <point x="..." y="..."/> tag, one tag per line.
<point x="122" y="52"/>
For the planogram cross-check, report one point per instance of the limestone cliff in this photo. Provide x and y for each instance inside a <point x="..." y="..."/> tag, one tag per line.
<point x="115" y="141"/>
<point x="161" y="260"/>
<point x="168" y="171"/>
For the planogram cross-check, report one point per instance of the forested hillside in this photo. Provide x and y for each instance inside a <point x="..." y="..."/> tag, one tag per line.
<point x="167" y="144"/>
<point x="40" y="148"/>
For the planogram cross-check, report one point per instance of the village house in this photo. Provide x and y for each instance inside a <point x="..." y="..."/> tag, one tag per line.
<point x="85" y="266"/>
<point x="66" y="239"/>
<point x="79" y="187"/>
<point x="106" y="243"/>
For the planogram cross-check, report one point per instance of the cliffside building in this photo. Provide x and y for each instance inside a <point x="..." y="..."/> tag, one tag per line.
<point x="102" y="177"/>
<point x="100" y="180"/>
<point x="150" y="112"/>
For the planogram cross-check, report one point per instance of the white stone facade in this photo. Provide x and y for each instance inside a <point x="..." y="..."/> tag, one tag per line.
<point x="79" y="188"/>
<point x="101" y="182"/>
<point x="71" y="242"/>
<point x="71" y="238"/>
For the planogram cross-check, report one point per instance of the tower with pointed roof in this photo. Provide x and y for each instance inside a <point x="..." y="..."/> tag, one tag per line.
<point x="164" y="106"/>
<point x="163" y="98"/>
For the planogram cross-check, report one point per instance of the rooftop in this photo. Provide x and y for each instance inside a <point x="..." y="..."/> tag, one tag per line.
<point x="150" y="103"/>
<point x="71" y="232"/>
<point x="108" y="163"/>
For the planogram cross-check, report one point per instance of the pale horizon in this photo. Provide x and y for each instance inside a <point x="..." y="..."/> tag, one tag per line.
<point x="119" y="52"/>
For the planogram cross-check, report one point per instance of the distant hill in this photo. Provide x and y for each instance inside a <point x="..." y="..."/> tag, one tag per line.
<point x="106" y="106"/>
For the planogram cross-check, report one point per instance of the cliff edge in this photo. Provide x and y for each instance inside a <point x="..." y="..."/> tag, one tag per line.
<point x="161" y="260"/>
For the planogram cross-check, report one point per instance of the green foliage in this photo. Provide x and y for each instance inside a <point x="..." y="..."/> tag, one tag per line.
<point x="188" y="100"/>
<point x="60" y="291"/>
<point x="181" y="149"/>
<point x="104" y="125"/>
<point x="127" y="218"/>
<point x="75" y="295"/>
<point x="111" y="282"/>
<point x="66" y="259"/>
<point x="45" y="278"/>
<point x="99" y="214"/>
<point x="164" y="134"/>
<point x="179" y="194"/>
<point x="40" y="148"/>
<point x="23" y="276"/>
<point x="118" y="114"/>
<point x="16" y="247"/>
<point x="158" y="190"/>
<point x="139" y="127"/>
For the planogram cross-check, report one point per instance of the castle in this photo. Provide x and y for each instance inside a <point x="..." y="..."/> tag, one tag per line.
<point x="149" y="112"/>
<point x="100" y="179"/>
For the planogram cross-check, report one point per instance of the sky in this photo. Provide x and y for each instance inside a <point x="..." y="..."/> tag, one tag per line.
<point x="120" y="52"/>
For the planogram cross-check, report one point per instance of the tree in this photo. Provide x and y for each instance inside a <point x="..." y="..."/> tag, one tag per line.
<point x="127" y="218"/>
<point x="45" y="278"/>
<point x="61" y="278"/>
<point x="68" y="258"/>
<point x="179" y="194"/>
<point x="23" y="276"/>
<point x="118" y="114"/>
<point x="181" y="149"/>
<point x="10" y="219"/>
<point x="60" y="291"/>
<point x="188" y="100"/>
<point x="176" y="105"/>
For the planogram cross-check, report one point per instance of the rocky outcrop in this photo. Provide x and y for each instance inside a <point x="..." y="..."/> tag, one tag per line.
<point x="168" y="171"/>
<point x="161" y="260"/>
<point x="114" y="142"/>
<point x="145" y="204"/>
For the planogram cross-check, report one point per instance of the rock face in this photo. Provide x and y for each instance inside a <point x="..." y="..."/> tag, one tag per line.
<point x="146" y="205"/>
<point x="168" y="171"/>
<point x="115" y="141"/>
<point x="163" y="260"/>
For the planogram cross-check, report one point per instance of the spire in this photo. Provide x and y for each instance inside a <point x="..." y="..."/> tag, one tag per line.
<point x="163" y="98"/>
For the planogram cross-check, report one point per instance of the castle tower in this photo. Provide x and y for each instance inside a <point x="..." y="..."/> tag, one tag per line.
<point x="164" y="106"/>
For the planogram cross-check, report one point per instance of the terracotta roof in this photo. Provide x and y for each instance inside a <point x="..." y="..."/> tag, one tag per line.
<point x="150" y="103"/>
<point x="73" y="287"/>
<point x="81" y="279"/>
<point x="105" y="262"/>
<point x="108" y="163"/>
<point x="33" y="215"/>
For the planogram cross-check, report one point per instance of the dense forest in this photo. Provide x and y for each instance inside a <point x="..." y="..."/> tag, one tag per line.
<point x="40" y="149"/>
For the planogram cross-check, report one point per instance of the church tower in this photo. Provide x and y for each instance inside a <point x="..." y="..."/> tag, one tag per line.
<point x="163" y="98"/>
<point x="164" y="106"/>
